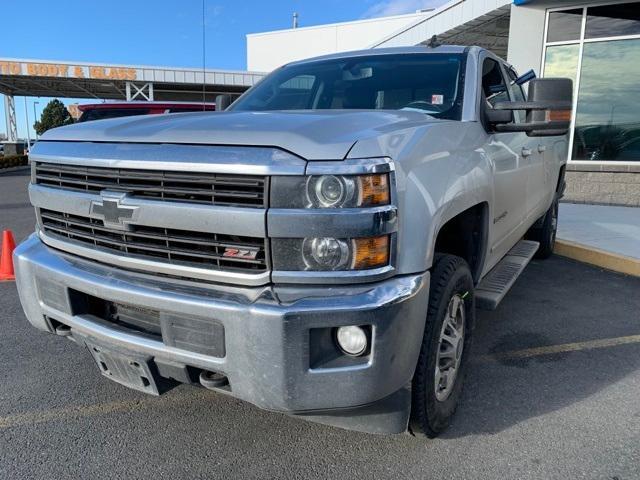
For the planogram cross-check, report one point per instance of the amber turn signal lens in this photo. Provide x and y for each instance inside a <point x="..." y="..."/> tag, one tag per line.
<point x="558" y="115"/>
<point x="374" y="190"/>
<point x="370" y="252"/>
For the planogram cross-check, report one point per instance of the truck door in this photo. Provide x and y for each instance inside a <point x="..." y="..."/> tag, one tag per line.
<point x="508" y="156"/>
<point x="536" y="164"/>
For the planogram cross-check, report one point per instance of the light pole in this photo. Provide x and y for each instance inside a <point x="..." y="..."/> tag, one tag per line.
<point x="35" y="115"/>
<point x="26" y="116"/>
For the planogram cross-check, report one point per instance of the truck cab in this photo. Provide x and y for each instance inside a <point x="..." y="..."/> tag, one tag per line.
<point x="319" y="248"/>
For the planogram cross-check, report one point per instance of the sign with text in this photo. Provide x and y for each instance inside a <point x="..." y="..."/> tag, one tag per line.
<point x="60" y="70"/>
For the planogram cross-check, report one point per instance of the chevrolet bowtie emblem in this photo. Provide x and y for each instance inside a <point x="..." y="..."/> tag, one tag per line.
<point x="111" y="210"/>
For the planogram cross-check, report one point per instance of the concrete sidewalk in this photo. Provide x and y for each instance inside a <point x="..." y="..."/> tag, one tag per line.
<point x="607" y="236"/>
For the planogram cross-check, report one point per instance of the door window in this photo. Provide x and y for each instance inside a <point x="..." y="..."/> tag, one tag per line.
<point x="494" y="87"/>
<point x="517" y="93"/>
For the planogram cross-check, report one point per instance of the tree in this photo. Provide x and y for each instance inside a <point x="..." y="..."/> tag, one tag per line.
<point x="55" y="114"/>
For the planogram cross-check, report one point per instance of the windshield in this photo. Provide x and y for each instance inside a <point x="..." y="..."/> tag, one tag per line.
<point x="429" y="83"/>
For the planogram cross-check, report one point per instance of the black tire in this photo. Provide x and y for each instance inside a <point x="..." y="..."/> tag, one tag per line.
<point x="450" y="277"/>
<point x="545" y="234"/>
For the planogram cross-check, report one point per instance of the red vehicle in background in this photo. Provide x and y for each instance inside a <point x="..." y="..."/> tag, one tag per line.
<point x="100" y="111"/>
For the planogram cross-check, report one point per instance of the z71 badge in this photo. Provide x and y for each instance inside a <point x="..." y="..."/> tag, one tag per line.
<point x="240" y="253"/>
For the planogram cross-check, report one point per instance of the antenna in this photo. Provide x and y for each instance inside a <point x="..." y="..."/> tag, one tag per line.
<point x="433" y="42"/>
<point x="204" y="58"/>
<point x="295" y="19"/>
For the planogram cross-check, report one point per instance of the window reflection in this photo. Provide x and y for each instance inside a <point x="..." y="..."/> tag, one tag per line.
<point x="518" y="95"/>
<point x="562" y="61"/>
<point x="613" y="20"/>
<point x="607" y="123"/>
<point x="565" y="25"/>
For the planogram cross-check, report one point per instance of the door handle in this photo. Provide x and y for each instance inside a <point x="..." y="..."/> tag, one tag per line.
<point x="542" y="148"/>
<point x="526" y="152"/>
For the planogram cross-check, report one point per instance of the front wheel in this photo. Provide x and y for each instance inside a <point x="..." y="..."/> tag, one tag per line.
<point x="439" y="375"/>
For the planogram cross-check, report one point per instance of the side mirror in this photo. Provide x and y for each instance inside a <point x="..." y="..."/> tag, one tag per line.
<point x="222" y="102"/>
<point x="498" y="117"/>
<point x="548" y="108"/>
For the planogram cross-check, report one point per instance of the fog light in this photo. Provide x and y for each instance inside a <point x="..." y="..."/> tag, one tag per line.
<point x="352" y="340"/>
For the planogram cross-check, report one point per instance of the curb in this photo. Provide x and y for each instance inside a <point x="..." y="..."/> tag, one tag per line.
<point x="597" y="257"/>
<point x="14" y="169"/>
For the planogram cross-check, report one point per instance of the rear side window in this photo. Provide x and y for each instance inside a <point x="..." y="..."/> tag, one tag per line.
<point x="104" y="113"/>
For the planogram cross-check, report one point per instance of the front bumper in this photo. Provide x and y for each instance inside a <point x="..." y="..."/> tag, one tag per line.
<point x="269" y="355"/>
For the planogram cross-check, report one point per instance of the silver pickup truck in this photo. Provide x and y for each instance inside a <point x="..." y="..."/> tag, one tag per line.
<point x="318" y="249"/>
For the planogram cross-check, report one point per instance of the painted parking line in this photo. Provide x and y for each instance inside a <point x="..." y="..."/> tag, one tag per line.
<point x="82" y="411"/>
<point x="562" y="348"/>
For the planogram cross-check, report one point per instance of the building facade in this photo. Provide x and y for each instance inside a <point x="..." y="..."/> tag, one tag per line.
<point x="595" y="43"/>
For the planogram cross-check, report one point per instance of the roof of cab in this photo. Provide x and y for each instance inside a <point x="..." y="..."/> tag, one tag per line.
<point x="389" y="51"/>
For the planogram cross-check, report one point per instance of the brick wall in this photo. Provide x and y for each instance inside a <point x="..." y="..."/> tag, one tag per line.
<point x="603" y="184"/>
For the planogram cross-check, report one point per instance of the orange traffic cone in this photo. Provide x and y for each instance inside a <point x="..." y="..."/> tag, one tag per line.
<point x="6" y="258"/>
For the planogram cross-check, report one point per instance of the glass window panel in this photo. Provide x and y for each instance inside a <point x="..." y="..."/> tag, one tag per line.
<point x="562" y="61"/>
<point x="607" y="123"/>
<point x="565" y="25"/>
<point x="429" y="83"/>
<point x="493" y="84"/>
<point x="613" y="20"/>
<point x="518" y="95"/>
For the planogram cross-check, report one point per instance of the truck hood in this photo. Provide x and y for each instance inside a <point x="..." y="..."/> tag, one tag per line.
<point x="312" y="135"/>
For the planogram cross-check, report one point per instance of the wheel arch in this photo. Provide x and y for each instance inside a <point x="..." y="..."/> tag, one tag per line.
<point x="466" y="235"/>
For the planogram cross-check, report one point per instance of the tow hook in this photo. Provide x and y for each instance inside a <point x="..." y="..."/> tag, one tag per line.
<point x="63" y="330"/>
<point x="212" y="380"/>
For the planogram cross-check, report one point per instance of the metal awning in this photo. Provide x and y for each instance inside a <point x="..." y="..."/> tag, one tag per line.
<point x="44" y="78"/>
<point x="484" y="23"/>
<point x="36" y="78"/>
<point x="490" y="31"/>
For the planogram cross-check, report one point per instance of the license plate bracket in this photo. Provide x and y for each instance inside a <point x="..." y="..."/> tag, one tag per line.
<point x="129" y="369"/>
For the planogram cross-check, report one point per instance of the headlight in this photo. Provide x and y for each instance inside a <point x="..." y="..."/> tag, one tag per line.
<point x="330" y="254"/>
<point x="330" y="191"/>
<point x="325" y="253"/>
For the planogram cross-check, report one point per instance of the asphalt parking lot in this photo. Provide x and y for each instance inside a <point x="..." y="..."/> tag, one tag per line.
<point x="553" y="392"/>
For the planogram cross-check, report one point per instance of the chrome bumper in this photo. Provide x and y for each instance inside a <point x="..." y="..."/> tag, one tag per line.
<point x="268" y="330"/>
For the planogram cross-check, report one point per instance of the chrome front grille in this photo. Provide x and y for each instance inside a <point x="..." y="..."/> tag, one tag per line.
<point x="178" y="247"/>
<point x="191" y="187"/>
<point x="191" y="212"/>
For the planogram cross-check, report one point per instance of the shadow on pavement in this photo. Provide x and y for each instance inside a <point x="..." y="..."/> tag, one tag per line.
<point x="556" y="301"/>
<point x="18" y="172"/>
